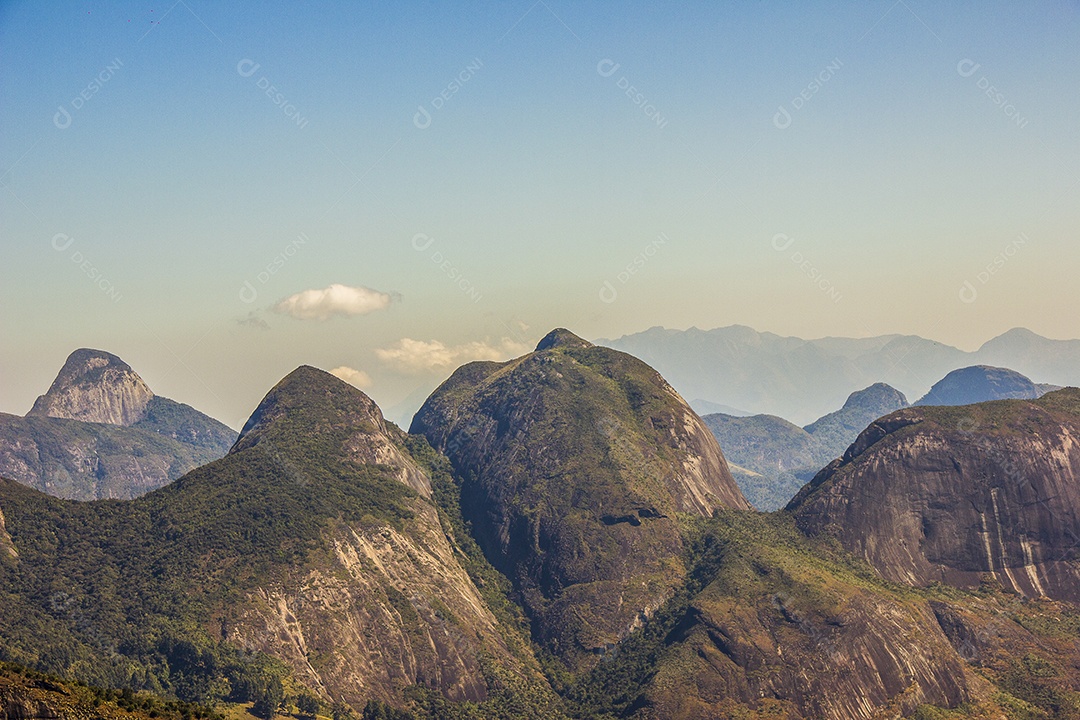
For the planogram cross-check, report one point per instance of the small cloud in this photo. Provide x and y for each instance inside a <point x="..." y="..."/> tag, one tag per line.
<point x="329" y="302"/>
<point x="356" y="378"/>
<point x="253" y="321"/>
<point x="421" y="356"/>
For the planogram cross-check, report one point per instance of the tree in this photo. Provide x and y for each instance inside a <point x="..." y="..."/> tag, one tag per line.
<point x="308" y="705"/>
<point x="268" y="697"/>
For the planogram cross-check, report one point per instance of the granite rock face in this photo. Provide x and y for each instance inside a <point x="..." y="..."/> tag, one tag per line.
<point x="99" y="432"/>
<point x="95" y="386"/>
<point x="7" y="547"/>
<point x="957" y="494"/>
<point x="574" y="462"/>
<point x="389" y="606"/>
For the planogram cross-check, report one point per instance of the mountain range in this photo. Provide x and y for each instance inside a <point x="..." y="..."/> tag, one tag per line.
<point x="771" y="458"/>
<point x="100" y="432"/>
<point x="800" y="380"/>
<point x="557" y="536"/>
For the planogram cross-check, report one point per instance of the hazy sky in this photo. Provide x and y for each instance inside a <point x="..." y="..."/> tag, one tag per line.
<point x="185" y="183"/>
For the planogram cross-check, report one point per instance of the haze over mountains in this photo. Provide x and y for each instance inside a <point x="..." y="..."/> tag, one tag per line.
<point x="801" y="380"/>
<point x="558" y="536"/>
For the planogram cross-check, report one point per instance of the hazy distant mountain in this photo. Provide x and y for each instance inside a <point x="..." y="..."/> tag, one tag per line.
<point x="772" y="458"/>
<point x="803" y="379"/>
<point x="980" y="383"/>
<point x="705" y="407"/>
<point x="100" y="432"/>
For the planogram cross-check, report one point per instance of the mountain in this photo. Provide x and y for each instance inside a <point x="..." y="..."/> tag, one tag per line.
<point x="980" y="383"/>
<point x="959" y="494"/>
<point x="773" y="458"/>
<point x="99" y="432"/>
<point x="333" y="562"/>
<point x="95" y="386"/>
<point x="313" y="553"/>
<point x="574" y="461"/>
<point x="704" y="407"/>
<point x="802" y="379"/>
<point x="835" y="431"/>
<point x="769" y="457"/>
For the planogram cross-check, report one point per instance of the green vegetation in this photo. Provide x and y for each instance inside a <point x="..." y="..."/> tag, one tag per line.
<point x="187" y="425"/>
<point x="85" y="461"/>
<point x="136" y="594"/>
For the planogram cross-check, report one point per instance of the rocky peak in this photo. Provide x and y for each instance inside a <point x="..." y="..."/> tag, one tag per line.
<point x="561" y="338"/>
<point x="877" y="395"/>
<point x="95" y="386"/>
<point x="574" y="466"/>
<point x="957" y="494"/>
<point x="312" y="402"/>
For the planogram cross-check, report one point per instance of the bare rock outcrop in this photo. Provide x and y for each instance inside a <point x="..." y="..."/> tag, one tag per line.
<point x="958" y="494"/>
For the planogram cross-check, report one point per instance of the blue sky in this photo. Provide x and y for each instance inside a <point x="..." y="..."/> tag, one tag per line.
<point x="809" y="169"/>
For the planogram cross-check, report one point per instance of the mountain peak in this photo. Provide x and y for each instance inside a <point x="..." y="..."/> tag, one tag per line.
<point x="561" y="338"/>
<point x="95" y="386"/>
<point x="311" y="403"/>
<point x="307" y="393"/>
<point x="980" y="383"/>
<point x="877" y="394"/>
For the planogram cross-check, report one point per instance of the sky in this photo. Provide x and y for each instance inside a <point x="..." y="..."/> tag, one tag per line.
<point x="220" y="192"/>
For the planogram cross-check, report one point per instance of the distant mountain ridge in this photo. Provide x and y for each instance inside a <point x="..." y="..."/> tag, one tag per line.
<point x="774" y="457"/>
<point x="100" y="432"/>
<point x="802" y="380"/>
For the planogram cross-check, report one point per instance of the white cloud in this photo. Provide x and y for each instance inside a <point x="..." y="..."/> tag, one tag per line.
<point x="334" y="300"/>
<point x="356" y="378"/>
<point x="428" y="356"/>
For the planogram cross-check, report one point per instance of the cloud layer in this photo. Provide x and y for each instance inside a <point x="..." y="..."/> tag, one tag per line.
<point x="421" y="356"/>
<point x="334" y="301"/>
<point x="356" y="378"/>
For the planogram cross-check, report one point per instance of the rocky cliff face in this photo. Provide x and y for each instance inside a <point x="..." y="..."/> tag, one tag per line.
<point x="95" y="386"/>
<point x="574" y="462"/>
<point x="7" y="547"/>
<point x="93" y="461"/>
<point x="388" y="605"/>
<point x="314" y="541"/>
<point x="874" y="657"/>
<point x="100" y="433"/>
<point x="956" y="494"/>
